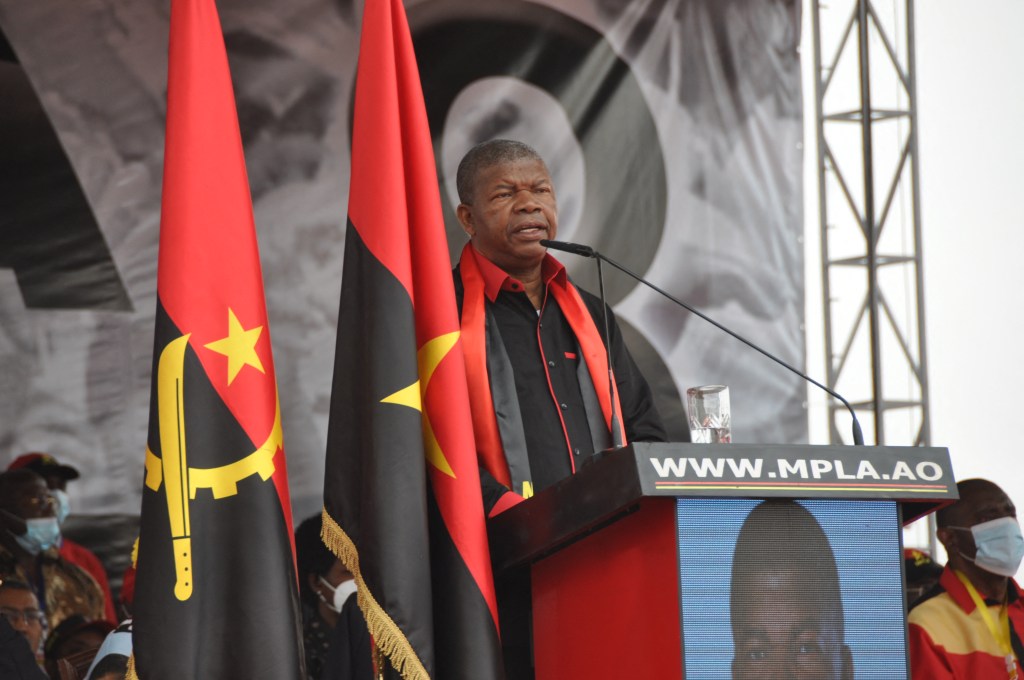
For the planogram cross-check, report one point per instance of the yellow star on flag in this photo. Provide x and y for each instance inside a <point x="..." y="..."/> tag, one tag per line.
<point x="239" y="347"/>
<point x="428" y="358"/>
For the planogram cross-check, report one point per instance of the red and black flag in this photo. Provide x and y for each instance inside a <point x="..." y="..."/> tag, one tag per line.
<point x="216" y="590"/>
<point x="402" y="498"/>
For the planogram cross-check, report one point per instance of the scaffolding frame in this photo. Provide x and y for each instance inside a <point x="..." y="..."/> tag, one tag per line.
<point x="871" y="322"/>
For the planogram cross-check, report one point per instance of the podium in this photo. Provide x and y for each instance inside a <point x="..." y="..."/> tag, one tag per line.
<point x="648" y="562"/>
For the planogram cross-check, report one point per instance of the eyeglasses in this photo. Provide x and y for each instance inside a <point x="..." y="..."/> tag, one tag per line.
<point x="27" y="616"/>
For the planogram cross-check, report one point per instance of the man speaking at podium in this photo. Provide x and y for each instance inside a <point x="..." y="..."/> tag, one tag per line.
<point x="535" y="357"/>
<point x="535" y="360"/>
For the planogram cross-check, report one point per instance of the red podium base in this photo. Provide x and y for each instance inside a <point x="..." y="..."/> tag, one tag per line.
<point x="601" y="605"/>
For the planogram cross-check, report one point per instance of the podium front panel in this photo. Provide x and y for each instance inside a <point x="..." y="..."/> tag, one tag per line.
<point x="607" y="606"/>
<point x="794" y="589"/>
<point x="631" y="581"/>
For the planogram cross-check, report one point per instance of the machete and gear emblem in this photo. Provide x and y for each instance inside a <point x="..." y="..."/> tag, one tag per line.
<point x="181" y="481"/>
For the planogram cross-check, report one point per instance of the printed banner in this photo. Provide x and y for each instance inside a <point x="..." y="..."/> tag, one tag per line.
<point x="672" y="129"/>
<point x="912" y="473"/>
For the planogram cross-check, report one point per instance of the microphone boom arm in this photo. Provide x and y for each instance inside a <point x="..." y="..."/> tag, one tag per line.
<point x="858" y="436"/>
<point x="587" y="251"/>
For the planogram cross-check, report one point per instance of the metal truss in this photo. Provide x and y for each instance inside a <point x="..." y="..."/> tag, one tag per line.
<point x="869" y="213"/>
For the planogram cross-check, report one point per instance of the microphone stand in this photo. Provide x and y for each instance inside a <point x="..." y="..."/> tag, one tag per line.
<point x="616" y="429"/>
<point x="587" y="251"/>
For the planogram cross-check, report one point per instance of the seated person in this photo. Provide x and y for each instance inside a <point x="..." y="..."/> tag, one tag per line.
<point x="28" y="551"/>
<point x="75" y="637"/>
<point x="920" y="574"/>
<point x="57" y="476"/>
<point x="111" y="661"/>
<point x="324" y="587"/>
<point x="969" y="626"/>
<point x="112" y="667"/>
<point x="350" y="655"/>
<point x="20" y="612"/>
<point x="16" y="659"/>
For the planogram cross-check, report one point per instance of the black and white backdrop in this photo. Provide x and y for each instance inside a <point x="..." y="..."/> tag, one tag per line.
<point x="672" y="129"/>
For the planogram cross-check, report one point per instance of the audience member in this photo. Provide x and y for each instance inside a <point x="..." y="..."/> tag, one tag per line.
<point x="350" y="656"/>
<point x="920" y="574"/>
<point x="112" y="667"/>
<point x="57" y="476"/>
<point x="969" y="626"/>
<point x="76" y="634"/>
<point x="17" y="662"/>
<point x="111" y="660"/>
<point x="28" y="537"/>
<point x="20" y="608"/>
<point x="324" y="587"/>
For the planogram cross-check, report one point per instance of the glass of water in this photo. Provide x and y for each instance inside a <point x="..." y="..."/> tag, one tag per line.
<point x="708" y="409"/>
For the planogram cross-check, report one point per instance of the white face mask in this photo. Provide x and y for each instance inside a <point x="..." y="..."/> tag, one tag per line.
<point x="1000" y="545"/>
<point x="342" y="592"/>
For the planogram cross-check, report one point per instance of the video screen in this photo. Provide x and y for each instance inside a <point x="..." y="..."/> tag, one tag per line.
<point x="808" y="590"/>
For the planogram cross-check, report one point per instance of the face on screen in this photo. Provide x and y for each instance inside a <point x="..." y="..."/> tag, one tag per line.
<point x="782" y="631"/>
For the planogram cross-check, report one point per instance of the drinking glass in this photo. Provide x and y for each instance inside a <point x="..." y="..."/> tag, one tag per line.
<point x="708" y="410"/>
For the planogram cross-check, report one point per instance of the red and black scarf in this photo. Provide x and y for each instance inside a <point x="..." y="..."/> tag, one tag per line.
<point x="490" y="449"/>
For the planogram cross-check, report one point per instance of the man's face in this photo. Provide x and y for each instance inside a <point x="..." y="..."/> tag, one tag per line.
<point x="21" y="609"/>
<point x="23" y="499"/>
<point x="30" y="499"/>
<point x="782" y="633"/>
<point x="513" y="208"/>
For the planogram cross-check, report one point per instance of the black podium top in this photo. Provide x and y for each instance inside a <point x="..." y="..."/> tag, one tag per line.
<point x="919" y="478"/>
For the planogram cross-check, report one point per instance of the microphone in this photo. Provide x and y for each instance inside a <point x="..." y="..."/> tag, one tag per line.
<point x="587" y="251"/>
<point x="566" y="247"/>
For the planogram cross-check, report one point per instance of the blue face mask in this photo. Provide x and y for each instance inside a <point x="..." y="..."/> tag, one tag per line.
<point x="40" y="534"/>
<point x="1000" y="545"/>
<point x="62" y="504"/>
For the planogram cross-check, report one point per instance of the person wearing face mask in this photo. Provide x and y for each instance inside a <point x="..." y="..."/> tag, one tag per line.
<point x="57" y="476"/>
<point x="969" y="626"/>
<point x="334" y="632"/>
<point x="29" y="533"/>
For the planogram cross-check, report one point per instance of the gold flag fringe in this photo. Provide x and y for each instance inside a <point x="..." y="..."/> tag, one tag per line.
<point x="386" y="634"/>
<point x="130" y="674"/>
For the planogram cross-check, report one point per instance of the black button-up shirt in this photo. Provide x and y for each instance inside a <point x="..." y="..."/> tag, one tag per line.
<point x="542" y="350"/>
